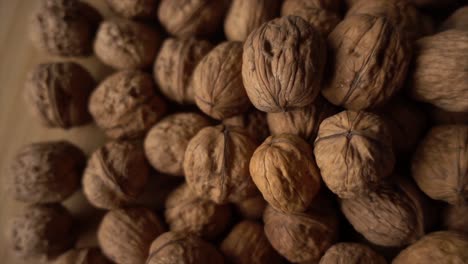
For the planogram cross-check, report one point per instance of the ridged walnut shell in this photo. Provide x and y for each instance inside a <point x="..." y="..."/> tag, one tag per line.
<point x="251" y="208"/>
<point x="457" y="20"/>
<point x="254" y="121"/>
<point x="284" y="170"/>
<point x="134" y="9"/>
<point x="283" y="64"/>
<point x="351" y="253"/>
<point x="82" y="256"/>
<point x="456" y="218"/>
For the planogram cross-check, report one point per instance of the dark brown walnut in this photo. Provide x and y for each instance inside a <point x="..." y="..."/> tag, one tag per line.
<point x="457" y="20"/>
<point x="166" y="142"/>
<point x="82" y="256"/>
<point x="335" y="6"/>
<point x="246" y="15"/>
<point x="174" y="66"/>
<point x="251" y="208"/>
<point x="125" y="104"/>
<point x="125" y="235"/>
<point x="369" y="63"/>
<point x="441" y="117"/>
<point x="64" y="27"/>
<point x="41" y="230"/>
<point x="124" y="44"/>
<point x="187" y="213"/>
<point x="438" y="248"/>
<point x="254" y="121"/>
<point x="440" y="75"/>
<point x="285" y="172"/>
<point x="440" y="164"/>
<point x="45" y="172"/>
<point x="58" y="94"/>
<point x="247" y="244"/>
<point x="351" y="253"/>
<point x="134" y="9"/>
<point x="456" y="218"/>
<point x="354" y="152"/>
<point x="116" y="175"/>
<point x="216" y="164"/>
<point x="217" y="82"/>
<point x="283" y="63"/>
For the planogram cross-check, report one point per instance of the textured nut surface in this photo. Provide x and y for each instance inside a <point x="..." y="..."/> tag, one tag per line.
<point x="283" y="63"/>
<point x="134" y="9"/>
<point x="82" y="256"/>
<point x="351" y="253"/>
<point x="285" y="173"/>
<point x="457" y="20"/>
<point x="456" y="218"/>
<point x="45" y="172"/>
<point x="254" y="121"/>
<point x="252" y="208"/>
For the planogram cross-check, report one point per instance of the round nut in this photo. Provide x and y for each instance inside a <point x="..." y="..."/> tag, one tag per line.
<point x="134" y="9"/>
<point x="351" y="253"/>
<point x="82" y="256"/>
<point x="254" y="121"/>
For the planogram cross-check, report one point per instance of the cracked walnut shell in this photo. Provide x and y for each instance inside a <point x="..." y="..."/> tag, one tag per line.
<point x="134" y="9"/>
<point x="82" y="256"/>
<point x="351" y="253"/>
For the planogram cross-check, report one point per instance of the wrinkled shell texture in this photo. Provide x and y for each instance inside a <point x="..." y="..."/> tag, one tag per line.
<point x="440" y="164"/>
<point x="283" y="64"/>
<point x="438" y="248"/>
<point x="185" y="18"/>
<point x="216" y="164"/>
<point x="125" y="235"/>
<point x="64" y="27"/>
<point x="187" y="213"/>
<point x="252" y="208"/>
<point x="82" y="256"/>
<point x="255" y="122"/>
<point x="143" y="9"/>
<point x="42" y="230"/>
<point x="116" y="175"/>
<point x="351" y="253"/>
<point x="354" y="152"/>
<point x="45" y="172"/>
<point x="166" y="142"/>
<point x="456" y="218"/>
<point x="369" y="63"/>
<point x="458" y="20"/>
<point x="174" y="66"/>
<point x="247" y="244"/>
<point x="124" y="44"/>
<point x="440" y="75"/>
<point x="246" y="15"/>
<point x="125" y="105"/>
<point x="285" y="173"/>
<point x="58" y="93"/>
<point x="217" y="82"/>
<point x="183" y="248"/>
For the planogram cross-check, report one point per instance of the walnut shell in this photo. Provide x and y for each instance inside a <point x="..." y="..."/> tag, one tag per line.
<point x="247" y="244"/>
<point x="45" y="172"/>
<point x="246" y="15"/>
<point x="41" y="230"/>
<point x="456" y="218"/>
<point x="216" y="164"/>
<point x="283" y="64"/>
<point x="442" y="117"/>
<point x="116" y="175"/>
<point x="369" y="64"/>
<point x="172" y="247"/>
<point x="58" y="93"/>
<point x="174" y="66"/>
<point x="125" y="104"/>
<point x="124" y="44"/>
<point x="125" y="235"/>
<point x="217" y="82"/>
<point x="440" y="164"/>
<point x="254" y="121"/>
<point x="251" y="208"/>
<point x="433" y="3"/>
<point x="335" y="6"/>
<point x="285" y="173"/>
<point x="187" y="213"/>
<point x="166" y="142"/>
<point x="351" y="253"/>
<point x="134" y="9"/>
<point x="457" y="20"/>
<point x="440" y="75"/>
<point x="82" y="256"/>
<point x="437" y="248"/>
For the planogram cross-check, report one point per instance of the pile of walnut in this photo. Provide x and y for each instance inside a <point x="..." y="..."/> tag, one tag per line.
<point x="303" y="131"/>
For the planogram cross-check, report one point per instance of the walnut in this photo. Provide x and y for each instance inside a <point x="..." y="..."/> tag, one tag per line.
<point x="247" y="243"/>
<point x="437" y="247"/>
<point x="174" y="66"/>
<point x="457" y="20"/>
<point x="41" y="230"/>
<point x="116" y="175"/>
<point x="64" y="27"/>
<point x="185" y="18"/>
<point x="188" y="213"/>
<point x="216" y="164"/>
<point x="283" y="64"/>
<point x="125" y="235"/>
<point x="58" y="93"/>
<point x="335" y="6"/>
<point x="134" y="9"/>
<point x="124" y="44"/>
<point x="442" y="117"/>
<point x="82" y="256"/>
<point x="172" y="247"/>
<point x="251" y="208"/>
<point x="166" y="142"/>
<point x="45" y="172"/>
<point x="433" y="3"/>
<point x="217" y="82"/>
<point x="440" y="75"/>
<point x="351" y="253"/>
<point x="246" y="15"/>
<point x="440" y="164"/>
<point x="456" y="218"/>
<point x="369" y="64"/>
<point x="125" y="104"/>
<point x="285" y="173"/>
<point x="254" y="121"/>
